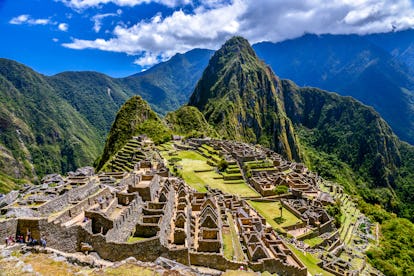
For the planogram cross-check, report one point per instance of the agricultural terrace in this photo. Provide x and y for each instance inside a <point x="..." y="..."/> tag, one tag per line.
<point x="193" y="168"/>
<point x="271" y="212"/>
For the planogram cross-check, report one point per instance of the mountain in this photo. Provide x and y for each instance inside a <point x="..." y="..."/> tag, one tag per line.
<point x="399" y="44"/>
<point x="58" y="123"/>
<point x="135" y="117"/>
<point x="168" y="85"/>
<point x="238" y="95"/>
<point x="349" y="131"/>
<point x="96" y="96"/>
<point x="40" y="132"/>
<point x="165" y="87"/>
<point x="352" y="66"/>
<point x="337" y="136"/>
<point x="190" y="122"/>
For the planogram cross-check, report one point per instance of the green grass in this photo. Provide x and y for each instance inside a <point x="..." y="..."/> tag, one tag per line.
<point x="270" y="211"/>
<point x="346" y="221"/>
<point x="313" y="241"/>
<point x="192" y="161"/>
<point x="310" y="261"/>
<point x="237" y="249"/>
<point x="228" y="244"/>
<point x="209" y="148"/>
<point x="8" y="183"/>
<point x="231" y="182"/>
<point x="135" y="239"/>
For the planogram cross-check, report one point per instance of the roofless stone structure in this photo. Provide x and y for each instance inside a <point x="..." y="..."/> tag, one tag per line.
<point x="140" y="210"/>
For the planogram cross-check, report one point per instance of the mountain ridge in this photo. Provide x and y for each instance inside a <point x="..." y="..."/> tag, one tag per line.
<point x="350" y="65"/>
<point x="237" y="89"/>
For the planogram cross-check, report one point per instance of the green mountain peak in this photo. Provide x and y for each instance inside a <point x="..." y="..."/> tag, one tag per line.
<point x="238" y="95"/>
<point x="135" y="117"/>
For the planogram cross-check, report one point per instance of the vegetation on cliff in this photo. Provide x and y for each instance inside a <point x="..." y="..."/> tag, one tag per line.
<point x="135" y="117"/>
<point x="190" y="122"/>
<point x="238" y="95"/>
<point x="40" y="132"/>
<point x="373" y="69"/>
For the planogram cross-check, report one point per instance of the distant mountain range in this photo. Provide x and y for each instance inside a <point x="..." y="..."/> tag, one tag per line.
<point x="58" y="123"/>
<point x="377" y="70"/>
<point x="374" y="69"/>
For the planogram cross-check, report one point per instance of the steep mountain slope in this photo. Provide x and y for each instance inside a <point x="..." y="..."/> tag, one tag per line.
<point x="343" y="127"/>
<point x="40" y="132"/>
<point x="60" y="122"/>
<point x="168" y="85"/>
<point x="352" y="66"/>
<point x="399" y="44"/>
<point x="96" y="96"/>
<point x="135" y="117"/>
<point x="190" y="122"/>
<point x="238" y="95"/>
<point x="165" y="87"/>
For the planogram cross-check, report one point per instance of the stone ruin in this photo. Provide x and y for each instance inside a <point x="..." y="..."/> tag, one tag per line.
<point x="137" y="209"/>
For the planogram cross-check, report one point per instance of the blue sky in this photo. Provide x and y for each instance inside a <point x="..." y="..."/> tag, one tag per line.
<point x="122" y="37"/>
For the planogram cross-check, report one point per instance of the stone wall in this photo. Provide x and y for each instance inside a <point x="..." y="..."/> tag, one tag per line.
<point x="292" y="210"/>
<point x="212" y="260"/>
<point x="54" y="205"/>
<point x="60" y="237"/>
<point x="124" y="225"/>
<point x="81" y="206"/>
<point x="165" y="225"/>
<point x="29" y="225"/>
<point x="100" y="222"/>
<point x="326" y="227"/>
<point x="62" y="201"/>
<point x="146" y="250"/>
<point x="8" y="228"/>
<point x="179" y="255"/>
<point x="83" y="191"/>
<point x="276" y="266"/>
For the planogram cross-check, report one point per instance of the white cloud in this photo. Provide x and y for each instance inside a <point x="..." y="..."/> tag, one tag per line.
<point x="19" y="19"/>
<point x="213" y="21"/>
<point x="84" y="4"/>
<point x="148" y="59"/>
<point x="55" y="39"/>
<point x="63" y="27"/>
<point x="97" y="19"/>
<point x="26" y="19"/>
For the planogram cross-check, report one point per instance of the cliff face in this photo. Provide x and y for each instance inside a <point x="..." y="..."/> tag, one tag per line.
<point x="346" y="128"/>
<point x="238" y="95"/>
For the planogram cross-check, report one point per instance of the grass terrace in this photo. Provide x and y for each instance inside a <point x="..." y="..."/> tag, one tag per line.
<point x="197" y="173"/>
<point x="310" y="261"/>
<point x="228" y="244"/>
<point x="133" y="239"/>
<point x="313" y="241"/>
<point x="210" y="153"/>
<point x="236" y="248"/>
<point x="271" y="212"/>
